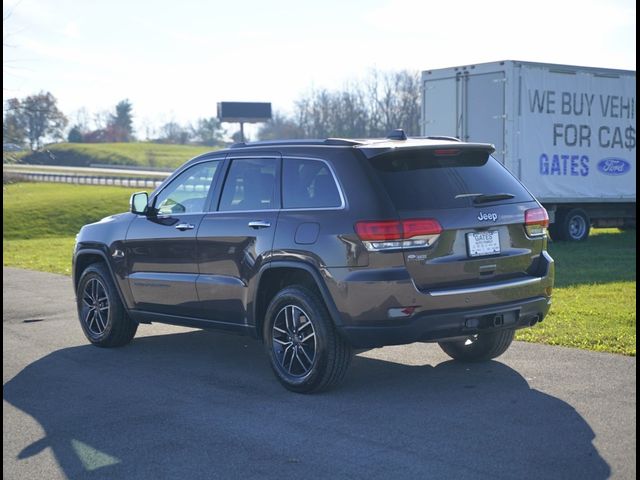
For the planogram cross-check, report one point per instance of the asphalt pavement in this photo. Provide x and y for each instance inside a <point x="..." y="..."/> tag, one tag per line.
<point x="183" y="403"/>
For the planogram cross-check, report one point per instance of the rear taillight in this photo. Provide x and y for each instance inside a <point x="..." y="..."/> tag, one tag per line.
<point x="393" y="234"/>
<point x="536" y="222"/>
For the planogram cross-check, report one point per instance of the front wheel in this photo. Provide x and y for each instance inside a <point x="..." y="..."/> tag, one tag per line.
<point x="102" y="315"/>
<point x="480" y="347"/>
<point x="305" y="351"/>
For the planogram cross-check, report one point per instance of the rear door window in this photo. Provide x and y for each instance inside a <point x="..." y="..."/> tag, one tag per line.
<point x="308" y="184"/>
<point x="431" y="180"/>
<point x="250" y="185"/>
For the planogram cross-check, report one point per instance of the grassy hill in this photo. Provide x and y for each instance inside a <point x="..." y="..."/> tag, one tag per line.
<point x="47" y="210"/>
<point x="40" y="221"/>
<point x="142" y="154"/>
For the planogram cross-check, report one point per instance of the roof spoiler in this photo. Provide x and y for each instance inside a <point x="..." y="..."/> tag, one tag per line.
<point x="371" y="151"/>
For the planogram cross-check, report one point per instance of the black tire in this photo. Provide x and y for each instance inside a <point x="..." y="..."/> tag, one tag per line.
<point x="479" y="348"/>
<point x="555" y="232"/>
<point x="294" y="313"/>
<point x="571" y="225"/>
<point x="102" y="316"/>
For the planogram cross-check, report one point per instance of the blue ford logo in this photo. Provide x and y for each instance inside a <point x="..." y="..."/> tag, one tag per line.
<point x="614" y="166"/>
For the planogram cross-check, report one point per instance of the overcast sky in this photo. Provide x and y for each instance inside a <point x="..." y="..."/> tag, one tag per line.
<point x="176" y="59"/>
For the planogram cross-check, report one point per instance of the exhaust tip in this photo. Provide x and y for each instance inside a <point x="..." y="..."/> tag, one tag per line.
<point x="534" y="320"/>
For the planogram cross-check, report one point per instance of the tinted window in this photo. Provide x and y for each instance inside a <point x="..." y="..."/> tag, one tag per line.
<point x="250" y="185"/>
<point x="308" y="184"/>
<point x="187" y="193"/>
<point x="420" y="179"/>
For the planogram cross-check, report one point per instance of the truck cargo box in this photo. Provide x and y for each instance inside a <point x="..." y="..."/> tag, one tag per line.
<point x="567" y="132"/>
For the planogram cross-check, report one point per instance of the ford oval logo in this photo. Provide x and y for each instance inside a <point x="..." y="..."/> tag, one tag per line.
<point x="614" y="166"/>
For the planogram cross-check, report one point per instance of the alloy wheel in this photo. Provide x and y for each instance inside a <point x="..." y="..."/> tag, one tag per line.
<point x="95" y="307"/>
<point x="294" y="341"/>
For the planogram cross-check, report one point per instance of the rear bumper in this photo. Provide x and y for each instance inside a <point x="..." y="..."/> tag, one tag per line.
<point x="368" y="299"/>
<point x="431" y="327"/>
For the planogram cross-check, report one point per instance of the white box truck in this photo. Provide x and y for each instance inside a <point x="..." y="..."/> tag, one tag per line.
<point x="567" y="132"/>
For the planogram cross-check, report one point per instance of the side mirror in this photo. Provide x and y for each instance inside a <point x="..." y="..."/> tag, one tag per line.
<point x="139" y="203"/>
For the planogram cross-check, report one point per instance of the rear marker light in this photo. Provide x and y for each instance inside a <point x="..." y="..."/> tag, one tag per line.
<point x="536" y="221"/>
<point x="401" y="312"/>
<point x="384" y="235"/>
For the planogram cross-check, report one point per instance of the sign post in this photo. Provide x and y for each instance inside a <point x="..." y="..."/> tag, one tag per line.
<point x="244" y="112"/>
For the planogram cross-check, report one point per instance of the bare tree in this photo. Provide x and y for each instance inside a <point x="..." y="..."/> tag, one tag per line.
<point x="394" y="102"/>
<point x="382" y="102"/>
<point x="173" y="132"/>
<point x="280" y="127"/>
<point x="101" y="119"/>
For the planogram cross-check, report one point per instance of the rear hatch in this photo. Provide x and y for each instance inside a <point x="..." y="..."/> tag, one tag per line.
<point x="462" y="215"/>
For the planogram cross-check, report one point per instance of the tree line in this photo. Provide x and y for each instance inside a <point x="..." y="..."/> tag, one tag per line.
<point x="366" y="109"/>
<point x="380" y="103"/>
<point x="36" y="118"/>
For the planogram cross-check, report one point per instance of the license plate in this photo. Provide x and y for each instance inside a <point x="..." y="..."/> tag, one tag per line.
<point x="483" y="243"/>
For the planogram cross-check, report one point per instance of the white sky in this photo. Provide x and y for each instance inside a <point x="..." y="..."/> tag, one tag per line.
<point x="176" y="59"/>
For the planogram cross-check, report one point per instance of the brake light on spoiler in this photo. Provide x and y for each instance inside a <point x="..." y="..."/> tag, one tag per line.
<point x="384" y="235"/>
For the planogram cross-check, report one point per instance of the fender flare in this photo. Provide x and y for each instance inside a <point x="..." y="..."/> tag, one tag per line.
<point x="315" y="274"/>
<point x="96" y="251"/>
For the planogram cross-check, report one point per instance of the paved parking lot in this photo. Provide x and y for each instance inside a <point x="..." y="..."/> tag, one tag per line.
<point x="182" y="403"/>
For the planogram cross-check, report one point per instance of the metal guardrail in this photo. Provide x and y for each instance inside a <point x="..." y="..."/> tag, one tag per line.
<point x="119" y="181"/>
<point x="146" y="168"/>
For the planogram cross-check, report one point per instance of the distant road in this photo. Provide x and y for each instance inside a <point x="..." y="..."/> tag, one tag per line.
<point x="183" y="403"/>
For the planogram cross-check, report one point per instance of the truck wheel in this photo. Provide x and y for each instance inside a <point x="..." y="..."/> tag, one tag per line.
<point x="102" y="316"/>
<point x="306" y="352"/>
<point x="571" y="225"/>
<point x="480" y="347"/>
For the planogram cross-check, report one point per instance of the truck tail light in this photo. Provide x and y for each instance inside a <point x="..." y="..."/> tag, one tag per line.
<point x="384" y="235"/>
<point x="536" y="221"/>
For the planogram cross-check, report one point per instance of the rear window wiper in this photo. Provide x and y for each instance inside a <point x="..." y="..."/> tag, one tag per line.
<point x="486" y="197"/>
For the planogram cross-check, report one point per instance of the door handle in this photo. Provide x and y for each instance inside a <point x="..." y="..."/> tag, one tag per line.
<point x="259" y="224"/>
<point x="185" y="226"/>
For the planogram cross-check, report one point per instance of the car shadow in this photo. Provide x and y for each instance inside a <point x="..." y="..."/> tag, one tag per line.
<point x="206" y="405"/>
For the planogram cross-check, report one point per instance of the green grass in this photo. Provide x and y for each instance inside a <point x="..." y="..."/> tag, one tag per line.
<point x="44" y="254"/>
<point x="146" y="154"/>
<point x="44" y="210"/>
<point x="40" y="221"/>
<point x="594" y="302"/>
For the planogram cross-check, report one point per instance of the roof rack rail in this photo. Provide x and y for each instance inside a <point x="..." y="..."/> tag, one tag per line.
<point x="301" y="142"/>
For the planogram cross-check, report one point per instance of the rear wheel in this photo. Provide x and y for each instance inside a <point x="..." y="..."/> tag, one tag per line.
<point x="305" y="351"/>
<point x="480" y="347"/>
<point x="102" y="316"/>
<point x="572" y="225"/>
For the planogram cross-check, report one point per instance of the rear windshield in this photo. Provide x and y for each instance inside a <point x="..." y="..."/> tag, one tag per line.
<point x="423" y="180"/>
